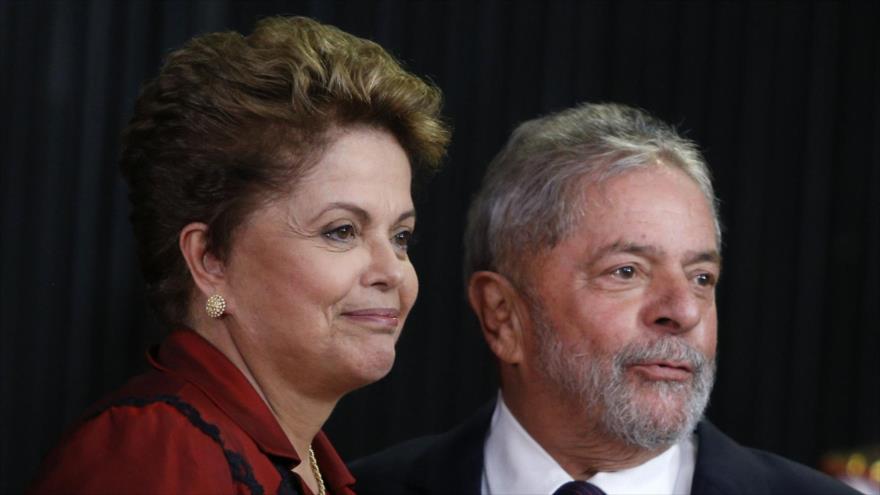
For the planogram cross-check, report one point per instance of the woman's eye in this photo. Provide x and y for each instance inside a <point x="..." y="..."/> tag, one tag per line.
<point x="625" y="272"/>
<point x="342" y="233"/>
<point x="403" y="239"/>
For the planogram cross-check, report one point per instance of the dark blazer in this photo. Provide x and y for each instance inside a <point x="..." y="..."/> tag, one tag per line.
<point x="452" y="463"/>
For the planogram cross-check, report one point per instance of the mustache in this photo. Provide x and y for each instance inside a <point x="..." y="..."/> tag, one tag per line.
<point x="672" y="349"/>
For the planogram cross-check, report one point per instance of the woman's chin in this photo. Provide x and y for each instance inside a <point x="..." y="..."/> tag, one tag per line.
<point x="379" y="365"/>
<point x="370" y="367"/>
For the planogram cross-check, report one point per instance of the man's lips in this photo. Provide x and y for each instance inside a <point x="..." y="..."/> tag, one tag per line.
<point x="664" y="370"/>
<point x="375" y="317"/>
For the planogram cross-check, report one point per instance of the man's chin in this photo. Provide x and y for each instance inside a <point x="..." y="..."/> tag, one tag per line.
<point x="665" y="415"/>
<point x="655" y="417"/>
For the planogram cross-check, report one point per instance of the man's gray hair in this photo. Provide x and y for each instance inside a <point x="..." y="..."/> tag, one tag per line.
<point x="530" y="199"/>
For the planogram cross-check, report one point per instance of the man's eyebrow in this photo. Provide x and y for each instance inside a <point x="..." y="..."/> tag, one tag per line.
<point x="690" y="257"/>
<point x="620" y="246"/>
<point x="711" y="256"/>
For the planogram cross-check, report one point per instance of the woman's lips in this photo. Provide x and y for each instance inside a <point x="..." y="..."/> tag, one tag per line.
<point x="382" y="318"/>
<point x="664" y="371"/>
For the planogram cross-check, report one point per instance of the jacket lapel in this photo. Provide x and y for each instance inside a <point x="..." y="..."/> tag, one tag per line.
<point x="454" y="464"/>
<point x="723" y="466"/>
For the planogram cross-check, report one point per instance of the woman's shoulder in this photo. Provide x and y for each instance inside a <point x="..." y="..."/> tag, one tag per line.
<point x="156" y="434"/>
<point x="138" y="444"/>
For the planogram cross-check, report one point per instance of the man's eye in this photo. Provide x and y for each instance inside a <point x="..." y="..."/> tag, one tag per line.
<point x="705" y="280"/>
<point x="403" y="239"/>
<point x="342" y="233"/>
<point x="625" y="272"/>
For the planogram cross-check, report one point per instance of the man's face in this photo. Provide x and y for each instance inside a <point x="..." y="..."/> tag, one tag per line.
<point x="623" y="309"/>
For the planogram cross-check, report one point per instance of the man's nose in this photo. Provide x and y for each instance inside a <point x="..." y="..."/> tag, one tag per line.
<point x="674" y="305"/>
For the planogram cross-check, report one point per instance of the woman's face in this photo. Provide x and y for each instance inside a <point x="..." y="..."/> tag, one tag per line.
<point x="319" y="282"/>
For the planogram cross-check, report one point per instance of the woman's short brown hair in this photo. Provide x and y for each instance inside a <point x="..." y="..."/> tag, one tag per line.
<point x="232" y="121"/>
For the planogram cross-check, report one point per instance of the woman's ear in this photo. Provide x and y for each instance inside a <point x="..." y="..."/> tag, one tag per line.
<point x="205" y="268"/>
<point x="497" y="304"/>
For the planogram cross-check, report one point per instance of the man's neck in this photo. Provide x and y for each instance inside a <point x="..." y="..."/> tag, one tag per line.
<point x="571" y="435"/>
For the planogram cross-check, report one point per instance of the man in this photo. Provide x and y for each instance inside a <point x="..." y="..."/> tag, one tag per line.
<point x="593" y="252"/>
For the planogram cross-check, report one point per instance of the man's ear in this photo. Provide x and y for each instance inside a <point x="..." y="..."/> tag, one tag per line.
<point x="498" y="305"/>
<point x="206" y="269"/>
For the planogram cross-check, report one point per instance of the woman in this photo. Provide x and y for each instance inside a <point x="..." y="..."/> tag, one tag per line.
<point x="269" y="177"/>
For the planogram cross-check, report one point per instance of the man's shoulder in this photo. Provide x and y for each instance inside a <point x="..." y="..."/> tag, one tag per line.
<point x="784" y="473"/>
<point x="450" y="462"/>
<point x="724" y="466"/>
<point x="393" y="470"/>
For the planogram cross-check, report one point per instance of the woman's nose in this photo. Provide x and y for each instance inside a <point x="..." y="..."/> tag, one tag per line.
<point x="386" y="266"/>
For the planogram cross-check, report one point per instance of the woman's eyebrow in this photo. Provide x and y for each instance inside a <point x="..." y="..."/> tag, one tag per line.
<point x="359" y="212"/>
<point x="406" y="215"/>
<point x="342" y="205"/>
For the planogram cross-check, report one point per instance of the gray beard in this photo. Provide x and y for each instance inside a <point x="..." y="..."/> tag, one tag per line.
<point x="599" y="385"/>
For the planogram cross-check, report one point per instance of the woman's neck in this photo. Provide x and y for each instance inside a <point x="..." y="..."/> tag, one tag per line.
<point x="300" y="415"/>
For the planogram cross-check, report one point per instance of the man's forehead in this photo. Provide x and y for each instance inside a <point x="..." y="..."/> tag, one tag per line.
<point x="641" y="191"/>
<point x="656" y="210"/>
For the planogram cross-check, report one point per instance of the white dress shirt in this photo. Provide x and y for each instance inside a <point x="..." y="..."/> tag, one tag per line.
<point x="514" y="464"/>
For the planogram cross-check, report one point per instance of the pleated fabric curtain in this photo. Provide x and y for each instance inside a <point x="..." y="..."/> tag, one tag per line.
<point x="784" y="97"/>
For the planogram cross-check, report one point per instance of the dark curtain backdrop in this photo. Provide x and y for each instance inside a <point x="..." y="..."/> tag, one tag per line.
<point x="784" y="98"/>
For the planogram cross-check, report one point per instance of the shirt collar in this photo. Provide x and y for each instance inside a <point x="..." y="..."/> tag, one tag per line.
<point x="337" y="476"/>
<point x="514" y="463"/>
<point x="188" y="355"/>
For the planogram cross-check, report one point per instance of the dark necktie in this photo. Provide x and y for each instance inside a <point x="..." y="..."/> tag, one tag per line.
<point x="578" y="488"/>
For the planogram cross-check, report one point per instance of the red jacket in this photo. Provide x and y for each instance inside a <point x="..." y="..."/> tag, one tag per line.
<point x="192" y="424"/>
